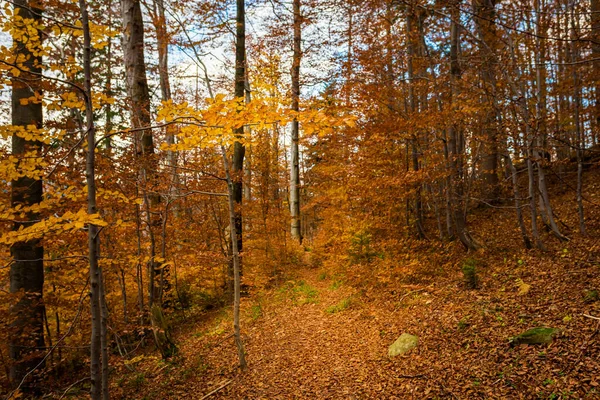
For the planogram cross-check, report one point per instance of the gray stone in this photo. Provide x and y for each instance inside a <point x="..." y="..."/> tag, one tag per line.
<point x="403" y="344"/>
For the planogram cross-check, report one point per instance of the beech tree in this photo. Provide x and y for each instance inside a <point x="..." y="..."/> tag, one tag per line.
<point x="295" y="159"/>
<point x="485" y="15"/>
<point x="239" y="148"/>
<point x="139" y="97"/>
<point x="27" y="265"/>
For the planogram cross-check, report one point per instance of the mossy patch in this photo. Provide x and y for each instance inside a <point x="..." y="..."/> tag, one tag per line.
<point x="540" y="335"/>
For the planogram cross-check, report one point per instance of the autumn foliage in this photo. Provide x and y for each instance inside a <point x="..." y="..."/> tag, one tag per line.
<point x="430" y="133"/>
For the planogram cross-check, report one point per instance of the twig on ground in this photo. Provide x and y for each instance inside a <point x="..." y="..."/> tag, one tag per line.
<point x="406" y="295"/>
<point x="73" y="384"/>
<point x="411" y="376"/>
<point x="216" y="390"/>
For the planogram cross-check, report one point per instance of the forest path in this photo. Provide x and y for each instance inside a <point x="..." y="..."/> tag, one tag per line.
<point x="316" y="338"/>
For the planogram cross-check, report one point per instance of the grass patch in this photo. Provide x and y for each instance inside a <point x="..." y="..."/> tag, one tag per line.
<point x="336" y="284"/>
<point x="469" y="270"/>
<point x="339" y="307"/>
<point x="299" y="293"/>
<point x="256" y="311"/>
<point x="308" y="294"/>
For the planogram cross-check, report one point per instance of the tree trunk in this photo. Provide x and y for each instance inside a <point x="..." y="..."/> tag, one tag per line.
<point x="239" y="149"/>
<point x="595" y="9"/>
<point x="27" y="267"/>
<point x="235" y="262"/>
<point x="518" y="89"/>
<point x="455" y="142"/>
<point x="139" y="96"/>
<point x="517" y="196"/>
<point x="98" y="355"/>
<point x="485" y="14"/>
<point x="295" y="171"/>
<point x="579" y="142"/>
<point x="108" y="126"/>
<point x="542" y="134"/>
<point x="162" y="38"/>
<point x="412" y="102"/>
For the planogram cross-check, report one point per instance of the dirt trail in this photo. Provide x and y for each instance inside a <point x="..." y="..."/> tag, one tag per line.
<point x="318" y="340"/>
<point x="298" y="348"/>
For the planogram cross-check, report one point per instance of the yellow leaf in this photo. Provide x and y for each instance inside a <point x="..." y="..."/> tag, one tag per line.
<point x="523" y="287"/>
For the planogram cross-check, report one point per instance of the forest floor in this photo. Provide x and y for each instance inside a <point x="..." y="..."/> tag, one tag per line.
<point x="324" y="332"/>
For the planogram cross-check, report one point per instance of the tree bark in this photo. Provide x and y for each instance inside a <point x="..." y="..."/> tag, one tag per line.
<point x="579" y="142"/>
<point x="456" y="142"/>
<point x="27" y="267"/>
<point x="595" y="9"/>
<point x="517" y="197"/>
<point x="541" y="131"/>
<point x="162" y="38"/>
<point x="235" y="262"/>
<point x="139" y="96"/>
<point x="412" y="102"/>
<point x="98" y="355"/>
<point x="485" y="14"/>
<point x="295" y="170"/>
<point x="239" y="149"/>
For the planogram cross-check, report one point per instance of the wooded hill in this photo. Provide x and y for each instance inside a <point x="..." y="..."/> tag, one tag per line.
<point x="275" y="199"/>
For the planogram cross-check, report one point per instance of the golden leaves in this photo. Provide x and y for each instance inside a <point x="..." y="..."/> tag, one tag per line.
<point x="218" y="122"/>
<point x="68" y="222"/>
<point x="523" y="287"/>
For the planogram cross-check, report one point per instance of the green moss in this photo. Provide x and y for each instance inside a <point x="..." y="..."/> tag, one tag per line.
<point x="540" y="335"/>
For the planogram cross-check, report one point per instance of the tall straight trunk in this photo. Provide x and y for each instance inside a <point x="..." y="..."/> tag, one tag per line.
<point x="455" y="142"/>
<point x="485" y="14"/>
<point x="139" y="97"/>
<point x="104" y="335"/>
<point x="295" y="171"/>
<point x="518" y="88"/>
<point x="160" y="25"/>
<point x="239" y="149"/>
<point x="162" y="38"/>
<point x="27" y="267"/>
<point x="248" y="157"/>
<point x="108" y="126"/>
<point x="275" y="161"/>
<point x="412" y="102"/>
<point x="348" y="68"/>
<point x="595" y="9"/>
<point x="579" y="139"/>
<point x="541" y="115"/>
<point x="563" y="149"/>
<point x="532" y="207"/>
<point x="517" y="197"/>
<point x="98" y="362"/>
<point x="235" y="261"/>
